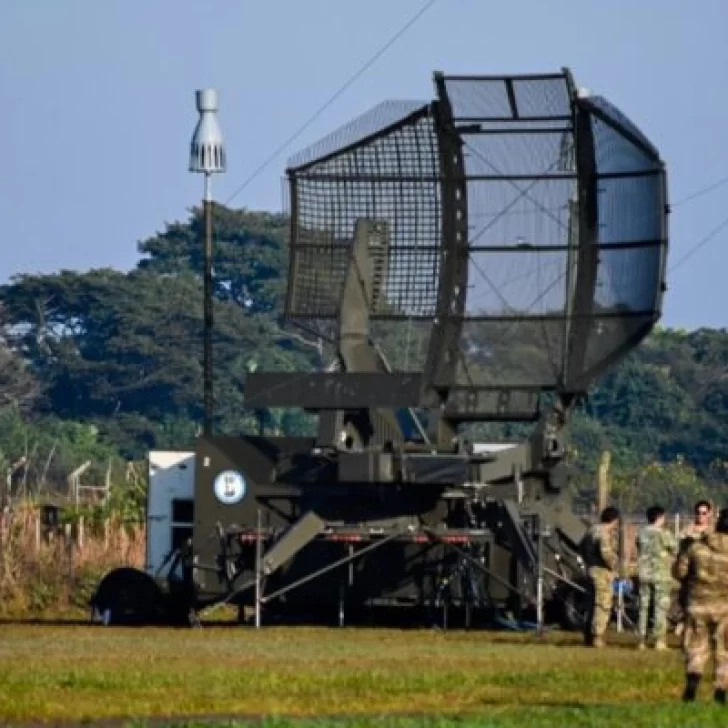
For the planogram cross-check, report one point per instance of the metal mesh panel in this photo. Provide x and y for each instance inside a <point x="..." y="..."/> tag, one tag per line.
<point x="608" y="333"/>
<point x="516" y="285"/>
<point x="631" y="213"/>
<point x="519" y="214"/>
<point x="624" y="127"/>
<point x="538" y="97"/>
<point x="392" y="177"/>
<point x="378" y="118"/>
<point x="542" y="97"/>
<point x="521" y="179"/>
<point x="513" y="353"/>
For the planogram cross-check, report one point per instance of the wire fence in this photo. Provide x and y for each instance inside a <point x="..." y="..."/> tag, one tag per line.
<point x="49" y="566"/>
<point x="46" y="565"/>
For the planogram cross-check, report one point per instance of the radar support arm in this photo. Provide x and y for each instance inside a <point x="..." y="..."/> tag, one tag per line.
<point x="456" y="467"/>
<point x="443" y="351"/>
<point x="586" y="260"/>
<point x="365" y="276"/>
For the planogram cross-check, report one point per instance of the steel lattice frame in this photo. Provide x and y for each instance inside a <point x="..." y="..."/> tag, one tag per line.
<point x="527" y="233"/>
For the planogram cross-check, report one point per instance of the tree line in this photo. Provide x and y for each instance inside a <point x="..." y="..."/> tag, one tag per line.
<point x="102" y="365"/>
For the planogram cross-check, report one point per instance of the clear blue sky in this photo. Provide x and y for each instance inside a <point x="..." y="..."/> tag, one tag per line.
<point x="97" y="105"/>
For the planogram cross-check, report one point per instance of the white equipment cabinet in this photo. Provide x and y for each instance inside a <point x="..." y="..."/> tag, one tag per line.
<point x="170" y="504"/>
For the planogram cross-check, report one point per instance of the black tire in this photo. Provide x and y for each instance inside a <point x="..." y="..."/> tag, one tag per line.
<point x="572" y="609"/>
<point x="127" y="596"/>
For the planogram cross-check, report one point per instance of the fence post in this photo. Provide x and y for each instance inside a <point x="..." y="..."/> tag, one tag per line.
<point x="622" y="556"/>
<point x="124" y="540"/>
<point x="603" y="481"/>
<point x="68" y="543"/>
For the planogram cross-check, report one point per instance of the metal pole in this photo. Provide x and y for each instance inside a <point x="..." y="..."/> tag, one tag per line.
<point x="561" y="577"/>
<point x="468" y="595"/>
<point x="344" y="584"/>
<point x="473" y="560"/>
<point x="258" y="570"/>
<point x="620" y="606"/>
<point x="208" y="321"/>
<point x="342" y="588"/>
<point x="539" y="577"/>
<point x="622" y="573"/>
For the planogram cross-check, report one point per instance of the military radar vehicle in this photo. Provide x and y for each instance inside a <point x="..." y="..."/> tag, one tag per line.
<point x="478" y="259"/>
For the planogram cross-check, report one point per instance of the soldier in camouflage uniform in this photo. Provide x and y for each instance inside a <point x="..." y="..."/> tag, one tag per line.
<point x="656" y="552"/>
<point x="703" y="567"/>
<point x="602" y="561"/>
<point x="703" y="521"/>
<point x="701" y="527"/>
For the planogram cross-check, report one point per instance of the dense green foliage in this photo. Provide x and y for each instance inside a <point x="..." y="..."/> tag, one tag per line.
<point x="103" y="365"/>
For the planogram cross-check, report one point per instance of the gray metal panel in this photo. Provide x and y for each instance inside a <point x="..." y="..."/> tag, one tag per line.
<point x="326" y="391"/>
<point x="370" y="123"/>
<point x="521" y="543"/>
<point x="292" y="541"/>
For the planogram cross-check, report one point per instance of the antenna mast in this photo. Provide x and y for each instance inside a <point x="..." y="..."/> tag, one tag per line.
<point x="207" y="156"/>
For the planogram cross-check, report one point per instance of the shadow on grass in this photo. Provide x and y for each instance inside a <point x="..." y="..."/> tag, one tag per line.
<point x="554" y="638"/>
<point x="44" y="622"/>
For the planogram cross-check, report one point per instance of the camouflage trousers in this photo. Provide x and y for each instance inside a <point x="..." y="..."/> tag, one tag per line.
<point x="601" y="600"/>
<point x="703" y="625"/>
<point x="657" y="594"/>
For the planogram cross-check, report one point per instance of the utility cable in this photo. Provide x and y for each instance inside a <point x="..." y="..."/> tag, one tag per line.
<point x="703" y="241"/>
<point x="336" y="95"/>
<point x="707" y="238"/>
<point x="700" y="192"/>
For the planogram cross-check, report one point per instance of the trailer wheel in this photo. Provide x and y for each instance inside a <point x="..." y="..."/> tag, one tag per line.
<point x="572" y="610"/>
<point x="127" y="596"/>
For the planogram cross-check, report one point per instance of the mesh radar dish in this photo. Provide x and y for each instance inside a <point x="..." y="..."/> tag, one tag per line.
<point x="518" y="235"/>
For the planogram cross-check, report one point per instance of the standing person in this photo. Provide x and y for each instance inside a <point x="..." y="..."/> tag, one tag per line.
<point x="602" y="562"/>
<point x="701" y="526"/>
<point x="703" y="567"/>
<point x="703" y="523"/>
<point x="656" y="549"/>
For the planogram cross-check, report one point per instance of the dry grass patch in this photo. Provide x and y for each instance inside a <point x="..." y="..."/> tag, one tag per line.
<point x="58" y="572"/>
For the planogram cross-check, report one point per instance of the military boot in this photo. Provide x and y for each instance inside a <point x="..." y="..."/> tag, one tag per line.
<point x="692" y="683"/>
<point x="719" y="695"/>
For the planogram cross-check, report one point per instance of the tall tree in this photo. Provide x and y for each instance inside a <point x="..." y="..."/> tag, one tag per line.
<point x="19" y="388"/>
<point x="123" y="351"/>
<point x="250" y="255"/>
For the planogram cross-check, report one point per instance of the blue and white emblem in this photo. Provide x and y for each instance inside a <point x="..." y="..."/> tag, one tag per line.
<point x="230" y="487"/>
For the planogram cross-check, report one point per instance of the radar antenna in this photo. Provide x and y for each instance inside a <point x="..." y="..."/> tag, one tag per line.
<point x="514" y="229"/>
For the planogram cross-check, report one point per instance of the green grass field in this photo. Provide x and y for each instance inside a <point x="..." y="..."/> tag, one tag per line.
<point x="307" y="676"/>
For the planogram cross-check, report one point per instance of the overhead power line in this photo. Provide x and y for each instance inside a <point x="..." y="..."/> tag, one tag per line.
<point x="703" y="241"/>
<point x="336" y="95"/>
<point x="701" y="192"/>
<point x="378" y="54"/>
<point x="707" y="238"/>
